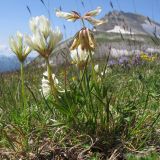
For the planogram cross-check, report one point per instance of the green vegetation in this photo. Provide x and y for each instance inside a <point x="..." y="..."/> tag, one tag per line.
<point x="117" y="114"/>
<point x="85" y="110"/>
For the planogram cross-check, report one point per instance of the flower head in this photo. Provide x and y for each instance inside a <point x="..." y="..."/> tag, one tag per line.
<point x="80" y="56"/>
<point x="19" y="47"/>
<point x="73" y="16"/>
<point x="46" y="88"/>
<point x="40" y="23"/>
<point x="44" y="38"/>
<point x="85" y="38"/>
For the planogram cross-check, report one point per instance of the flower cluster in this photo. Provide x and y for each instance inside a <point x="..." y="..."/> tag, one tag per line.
<point x="45" y="86"/>
<point x="148" y="58"/>
<point x="82" y="48"/>
<point x="44" y="38"/>
<point x="83" y="45"/>
<point x="19" y="47"/>
<point x="80" y="57"/>
<point x="44" y="41"/>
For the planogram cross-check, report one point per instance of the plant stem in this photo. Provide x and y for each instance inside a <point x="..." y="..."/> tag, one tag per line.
<point x="92" y="63"/>
<point x="83" y="22"/>
<point x="24" y="103"/>
<point x="23" y="87"/>
<point x="51" y="81"/>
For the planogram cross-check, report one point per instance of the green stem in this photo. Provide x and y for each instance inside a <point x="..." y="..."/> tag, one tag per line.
<point x="83" y="22"/>
<point x="24" y="103"/>
<point x="92" y="108"/>
<point x="22" y="86"/>
<point x="92" y="63"/>
<point x="51" y="81"/>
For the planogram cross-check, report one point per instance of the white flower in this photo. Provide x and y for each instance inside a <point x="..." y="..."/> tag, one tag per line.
<point x="36" y="42"/>
<point x="79" y="56"/>
<point x="55" y="36"/>
<point x="19" y="47"/>
<point x="44" y="38"/>
<point x="40" y="23"/>
<point x="45" y="87"/>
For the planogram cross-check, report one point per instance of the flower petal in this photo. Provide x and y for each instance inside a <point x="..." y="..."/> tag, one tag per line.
<point x="94" y="21"/>
<point x="93" y="12"/>
<point x="75" y="43"/>
<point x="73" y="16"/>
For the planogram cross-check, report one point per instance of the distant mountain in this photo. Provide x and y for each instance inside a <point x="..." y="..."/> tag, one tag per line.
<point x="121" y="34"/>
<point x="129" y="23"/>
<point x="10" y="63"/>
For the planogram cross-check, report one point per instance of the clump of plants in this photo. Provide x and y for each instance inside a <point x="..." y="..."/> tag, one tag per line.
<point x="92" y="111"/>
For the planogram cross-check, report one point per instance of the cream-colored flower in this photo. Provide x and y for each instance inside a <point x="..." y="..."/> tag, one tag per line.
<point x="80" y="56"/>
<point x="19" y="47"/>
<point x="73" y="16"/>
<point x="40" y="23"/>
<point x="45" y="87"/>
<point x="44" y="38"/>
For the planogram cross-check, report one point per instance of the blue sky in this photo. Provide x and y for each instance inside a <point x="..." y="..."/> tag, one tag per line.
<point x="14" y="15"/>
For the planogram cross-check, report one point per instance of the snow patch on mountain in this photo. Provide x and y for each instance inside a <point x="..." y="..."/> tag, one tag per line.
<point x="118" y="29"/>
